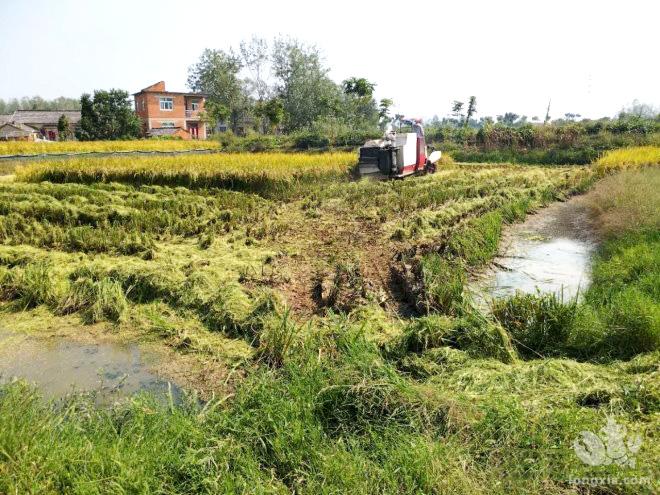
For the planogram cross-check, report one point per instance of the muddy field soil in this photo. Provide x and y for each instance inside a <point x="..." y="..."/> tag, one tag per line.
<point x="58" y="367"/>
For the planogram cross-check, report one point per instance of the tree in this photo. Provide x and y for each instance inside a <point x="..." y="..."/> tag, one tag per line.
<point x="360" y="110"/>
<point x="217" y="75"/>
<point x="303" y="85"/>
<point x="384" y="112"/>
<point x="472" y="109"/>
<point x="255" y="59"/>
<point x="63" y="128"/>
<point x="642" y="110"/>
<point x="108" y="115"/>
<point x="398" y="120"/>
<point x="272" y="111"/>
<point x="38" y="103"/>
<point x="509" y="118"/>
<point x="359" y="87"/>
<point x="456" y="110"/>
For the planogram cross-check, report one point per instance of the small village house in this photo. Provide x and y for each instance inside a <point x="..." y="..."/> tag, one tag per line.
<point x="21" y="123"/>
<point x="16" y="132"/>
<point x="169" y="113"/>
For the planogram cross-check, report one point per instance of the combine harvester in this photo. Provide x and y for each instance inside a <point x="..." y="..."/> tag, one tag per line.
<point x="397" y="155"/>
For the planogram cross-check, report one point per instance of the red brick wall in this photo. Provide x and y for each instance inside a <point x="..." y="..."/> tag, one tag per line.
<point x="147" y="107"/>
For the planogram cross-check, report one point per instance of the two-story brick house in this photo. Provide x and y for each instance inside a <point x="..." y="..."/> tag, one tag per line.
<point x="170" y="113"/>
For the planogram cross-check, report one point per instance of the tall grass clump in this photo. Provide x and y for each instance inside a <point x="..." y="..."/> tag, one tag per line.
<point x="628" y="158"/>
<point x="471" y="333"/>
<point x="539" y="324"/>
<point x="442" y="283"/>
<point x="28" y="286"/>
<point x="626" y="203"/>
<point x="97" y="300"/>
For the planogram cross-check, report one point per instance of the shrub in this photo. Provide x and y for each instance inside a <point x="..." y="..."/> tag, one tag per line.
<point x="276" y="339"/>
<point x="306" y="140"/>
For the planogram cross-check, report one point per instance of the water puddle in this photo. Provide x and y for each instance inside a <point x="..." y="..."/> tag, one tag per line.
<point x="550" y="252"/>
<point x="59" y="367"/>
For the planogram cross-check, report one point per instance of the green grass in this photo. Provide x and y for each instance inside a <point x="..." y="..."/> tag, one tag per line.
<point x="355" y="397"/>
<point x="345" y="422"/>
<point x="620" y="315"/>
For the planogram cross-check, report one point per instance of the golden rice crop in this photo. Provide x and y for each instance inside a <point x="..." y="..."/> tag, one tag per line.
<point x="36" y="148"/>
<point x="626" y="158"/>
<point x="254" y="172"/>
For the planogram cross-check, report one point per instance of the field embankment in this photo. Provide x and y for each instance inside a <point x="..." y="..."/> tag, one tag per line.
<point x="364" y="367"/>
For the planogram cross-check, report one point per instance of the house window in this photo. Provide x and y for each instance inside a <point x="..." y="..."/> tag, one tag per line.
<point x="167" y="123"/>
<point x="167" y="104"/>
<point x="194" y="105"/>
<point x="144" y="103"/>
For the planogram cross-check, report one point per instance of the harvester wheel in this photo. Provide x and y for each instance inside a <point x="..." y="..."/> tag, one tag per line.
<point x="430" y="168"/>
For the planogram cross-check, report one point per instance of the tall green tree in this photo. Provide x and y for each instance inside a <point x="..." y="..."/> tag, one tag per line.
<point x="359" y="87"/>
<point x="360" y="110"/>
<point x="471" y="110"/>
<point x="509" y="118"/>
<point x="272" y="111"/>
<point x="108" y="115"/>
<point x="303" y="85"/>
<point x="64" y="128"/>
<point x="384" y="112"/>
<point x="457" y="110"/>
<point x="217" y="74"/>
<point x="255" y="57"/>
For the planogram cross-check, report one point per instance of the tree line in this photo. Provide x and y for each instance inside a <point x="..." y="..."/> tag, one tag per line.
<point x="265" y="89"/>
<point x="282" y="86"/>
<point x="38" y="103"/>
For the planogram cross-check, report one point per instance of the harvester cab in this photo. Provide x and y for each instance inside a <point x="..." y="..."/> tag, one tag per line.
<point x="398" y="155"/>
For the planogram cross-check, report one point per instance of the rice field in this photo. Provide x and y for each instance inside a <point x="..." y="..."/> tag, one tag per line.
<point x="358" y="361"/>
<point x="37" y="148"/>
<point x="236" y="171"/>
<point x="627" y="158"/>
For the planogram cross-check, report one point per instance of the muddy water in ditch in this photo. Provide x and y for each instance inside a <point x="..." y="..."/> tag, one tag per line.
<point x="549" y="252"/>
<point x="59" y="367"/>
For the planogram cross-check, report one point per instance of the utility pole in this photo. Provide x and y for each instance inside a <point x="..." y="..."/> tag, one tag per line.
<point x="547" y="113"/>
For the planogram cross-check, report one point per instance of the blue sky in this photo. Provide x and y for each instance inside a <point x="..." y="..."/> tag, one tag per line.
<point x="589" y="57"/>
